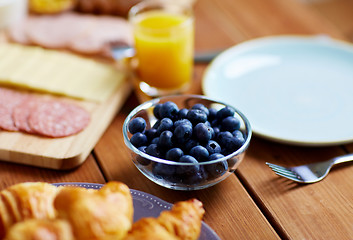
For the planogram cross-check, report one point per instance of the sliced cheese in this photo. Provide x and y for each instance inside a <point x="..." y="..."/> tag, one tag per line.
<point x="58" y="72"/>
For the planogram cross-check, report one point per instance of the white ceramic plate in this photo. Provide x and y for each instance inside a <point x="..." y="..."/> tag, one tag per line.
<point x="293" y="89"/>
<point x="147" y="205"/>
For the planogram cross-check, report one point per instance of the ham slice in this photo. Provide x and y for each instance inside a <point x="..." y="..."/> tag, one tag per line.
<point x="82" y="33"/>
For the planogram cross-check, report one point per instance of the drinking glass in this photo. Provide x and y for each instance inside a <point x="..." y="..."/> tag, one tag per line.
<point x="164" y="46"/>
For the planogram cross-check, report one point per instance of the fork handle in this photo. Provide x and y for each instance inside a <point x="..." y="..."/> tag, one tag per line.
<point x="343" y="158"/>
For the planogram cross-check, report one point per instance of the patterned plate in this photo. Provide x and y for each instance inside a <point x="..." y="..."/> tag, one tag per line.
<point x="147" y="205"/>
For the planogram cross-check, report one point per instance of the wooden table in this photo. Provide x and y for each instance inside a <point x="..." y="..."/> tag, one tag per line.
<point x="253" y="203"/>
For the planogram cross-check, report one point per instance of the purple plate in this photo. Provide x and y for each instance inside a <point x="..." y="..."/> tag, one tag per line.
<point x="147" y="205"/>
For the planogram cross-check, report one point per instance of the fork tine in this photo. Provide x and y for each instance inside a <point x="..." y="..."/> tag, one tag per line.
<point x="283" y="172"/>
<point x="293" y="177"/>
<point x="288" y="174"/>
<point x="281" y="169"/>
<point x="271" y="165"/>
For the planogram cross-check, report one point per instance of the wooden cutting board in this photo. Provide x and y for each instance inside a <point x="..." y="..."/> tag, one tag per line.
<point x="67" y="152"/>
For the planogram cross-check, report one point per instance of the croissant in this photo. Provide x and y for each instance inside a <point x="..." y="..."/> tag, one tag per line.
<point x="26" y="201"/>
<point x="41" y="211"/>
<point x="183" y="221"/>
<point x="41" y="229"/>
<point x="103" y="214"/>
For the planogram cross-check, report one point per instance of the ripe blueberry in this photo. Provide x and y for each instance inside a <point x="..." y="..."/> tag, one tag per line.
<point x="137" y="124"/>
<point x="138" y="139"/>
<point x="200" y="153"/>
<point x="168" y="110"/>
<point x="174" y="154"/>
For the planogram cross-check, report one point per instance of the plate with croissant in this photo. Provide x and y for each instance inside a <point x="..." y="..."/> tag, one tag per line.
<point x="87" y="211"/>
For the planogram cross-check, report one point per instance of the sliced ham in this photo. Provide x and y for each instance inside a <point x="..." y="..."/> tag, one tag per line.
<point x="82" y="33"/>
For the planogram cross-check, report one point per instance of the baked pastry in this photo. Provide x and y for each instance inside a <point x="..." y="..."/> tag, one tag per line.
<point x="103" y="214"/>
<point x="41" y="211"/>
<point x="183" y="221"/>
<point x="41" y="229"/>
<point x="26" y="201"/>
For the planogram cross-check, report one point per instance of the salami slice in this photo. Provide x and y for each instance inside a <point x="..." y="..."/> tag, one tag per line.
<point x="6" y="121"/>
<point x="58" y="119"/>
<point x="21" y="114"/>
<point x="9" y="99"/>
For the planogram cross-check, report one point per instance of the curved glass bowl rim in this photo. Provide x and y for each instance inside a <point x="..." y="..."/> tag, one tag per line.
<point x="152" y="102"/>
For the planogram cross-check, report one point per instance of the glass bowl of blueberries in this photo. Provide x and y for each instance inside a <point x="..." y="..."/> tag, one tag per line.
<point x="186" y="142"/>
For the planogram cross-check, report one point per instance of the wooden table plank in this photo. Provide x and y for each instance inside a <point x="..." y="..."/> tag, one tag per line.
<point x="338" y="13"/>
<point x="300" y="211"/>
<point x="14" y="173"/>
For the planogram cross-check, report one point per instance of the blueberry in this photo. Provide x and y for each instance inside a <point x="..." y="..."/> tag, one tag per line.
<point x="225" y="112"/>
<point x="215" y="170"/>
<point x="215" y="156"/>
<point x="151" y="133"/>
<point x="202" y="107"/>
<point x="156" y="110"/>
<point x="188" y="169"/>
<point x="165" y="124"/>
<point x="216" y="130"/>
<point x="203" y="133"/>
<point x="196" y="116"/>
<point x="199" y="177"/>
<point x="182" y="113"/>
<point x="207" y="123"/>
<point x="162" y="170"/>
<point x="230" y="124"/>
<point x="200" y="153"/>
<point x="212" y="113"/>
<point x="137" y="124"/>
<point x="155" y="140"/>
<point x="165" y="140"/>
<point x="142" y="148"/>
<point x="182" y="121"/>
<point x="189" y="145"/>
<point x="222" y="138"/>
<point x="238" y="133"/>
<point x="182" y="133"/>
<point x="233" y="144"/>
<point x="168" y="110"/>
<point x="142" y="160"/>
<point x="213" y="147"/>
<point x="174" y="154"/>
<point x="156" y="124"/>
<point x="138" y="139"/>
<point x="153" y="150"/>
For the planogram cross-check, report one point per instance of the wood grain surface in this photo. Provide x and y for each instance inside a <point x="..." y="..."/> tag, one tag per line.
<point x="254" y="203"/>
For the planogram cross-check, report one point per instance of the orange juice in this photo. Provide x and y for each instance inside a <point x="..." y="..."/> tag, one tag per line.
<point x="164" y="48"/>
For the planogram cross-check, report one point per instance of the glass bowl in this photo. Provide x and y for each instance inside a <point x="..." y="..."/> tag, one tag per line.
<point x="184" y="175"/>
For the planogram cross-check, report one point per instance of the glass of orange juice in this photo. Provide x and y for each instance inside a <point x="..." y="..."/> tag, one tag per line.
<point x="164" y="45"/>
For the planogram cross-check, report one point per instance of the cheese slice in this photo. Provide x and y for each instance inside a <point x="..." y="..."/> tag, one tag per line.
<point x="57" y="72"/>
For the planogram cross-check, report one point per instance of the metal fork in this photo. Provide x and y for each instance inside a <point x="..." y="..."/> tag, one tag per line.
<point x="309" y="173"/>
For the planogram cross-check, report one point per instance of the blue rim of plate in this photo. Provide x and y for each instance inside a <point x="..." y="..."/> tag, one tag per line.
<point x="146" y="205"/>
<point x="316" y="68"/>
